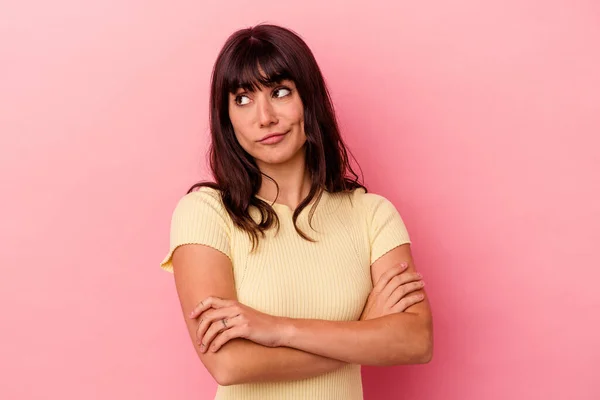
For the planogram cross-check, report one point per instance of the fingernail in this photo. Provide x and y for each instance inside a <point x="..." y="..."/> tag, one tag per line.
<point x="419" y="275"/>
<point x="404" y="265"/>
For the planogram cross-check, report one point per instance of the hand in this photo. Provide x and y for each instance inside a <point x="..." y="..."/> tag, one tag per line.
<point x="393" y="293"/>
<point x="222" y="320"/>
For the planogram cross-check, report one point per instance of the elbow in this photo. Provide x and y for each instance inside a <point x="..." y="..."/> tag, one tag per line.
<point x="223" y="376"/>
<point x="425" y="348"/>
<point x="419" y="350"/>
<point x="222" y="371"/>
<point x="426" y="353"/>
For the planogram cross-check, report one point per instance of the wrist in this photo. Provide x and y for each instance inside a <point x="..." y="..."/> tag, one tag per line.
<point x="286" y="328"/>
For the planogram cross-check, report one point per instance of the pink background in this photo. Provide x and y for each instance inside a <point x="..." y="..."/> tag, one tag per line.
<point x="479" y="120"/>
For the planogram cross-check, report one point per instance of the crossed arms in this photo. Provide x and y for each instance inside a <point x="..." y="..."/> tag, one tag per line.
<point x="282" y="349"/>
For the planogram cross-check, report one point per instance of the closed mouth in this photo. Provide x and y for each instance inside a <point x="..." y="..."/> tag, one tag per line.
<point x="272" y="135"/>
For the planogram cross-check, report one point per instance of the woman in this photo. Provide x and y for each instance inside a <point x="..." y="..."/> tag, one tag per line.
<point x="290" y="275"/>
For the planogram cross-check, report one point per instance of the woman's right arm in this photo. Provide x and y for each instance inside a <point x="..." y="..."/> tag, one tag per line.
<point x="201" y="271"/>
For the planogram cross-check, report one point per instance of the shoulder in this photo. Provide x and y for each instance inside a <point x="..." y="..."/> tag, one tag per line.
<point x="386" y="228"/>
<point x="199" y="218"/>
<point x="204" y="203"/>
<point x="203" y="197"/>
<point x="370" y="202"/>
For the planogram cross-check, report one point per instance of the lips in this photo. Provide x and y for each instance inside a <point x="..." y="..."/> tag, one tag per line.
<point x="272" y="135"/>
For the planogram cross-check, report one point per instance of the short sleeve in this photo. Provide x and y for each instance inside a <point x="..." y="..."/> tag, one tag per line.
<point x="199" y="218"/>
<point x="386" y="227"/>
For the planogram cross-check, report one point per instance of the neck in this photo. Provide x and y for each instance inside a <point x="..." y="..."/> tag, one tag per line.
<point x="292" y="178"/>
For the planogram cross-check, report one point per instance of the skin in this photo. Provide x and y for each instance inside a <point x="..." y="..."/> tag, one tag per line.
<point x="277" y="109"/>
<point x="390" y="333"/>
<point x="238" y="344"/>
<point x="388" y="296"/>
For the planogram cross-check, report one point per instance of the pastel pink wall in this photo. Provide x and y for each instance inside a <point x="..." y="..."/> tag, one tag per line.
<point x="479" y="120"/>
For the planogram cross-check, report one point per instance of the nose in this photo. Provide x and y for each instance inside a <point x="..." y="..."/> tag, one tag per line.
<point x="266" y="112"/>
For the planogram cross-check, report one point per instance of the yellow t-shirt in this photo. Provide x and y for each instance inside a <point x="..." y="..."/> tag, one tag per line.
<point x="289" y="276"/>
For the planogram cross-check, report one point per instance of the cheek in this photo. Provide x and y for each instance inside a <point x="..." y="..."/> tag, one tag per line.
<point x="239" y="128"/>
<point x="301" y="122"/>
<point x="244" y="141"/>
<point x="296" y="116"/>
<point x="299" y="114"/>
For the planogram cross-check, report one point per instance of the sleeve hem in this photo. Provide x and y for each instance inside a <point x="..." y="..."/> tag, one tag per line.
<point x="381" y="253"/>
<point x="167" y="265"/>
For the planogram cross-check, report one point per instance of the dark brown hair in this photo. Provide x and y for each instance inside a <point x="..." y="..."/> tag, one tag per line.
<point x="265" y="55"/>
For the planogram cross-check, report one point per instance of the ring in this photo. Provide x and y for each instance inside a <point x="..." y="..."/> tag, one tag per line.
<point x="224" y="323"/>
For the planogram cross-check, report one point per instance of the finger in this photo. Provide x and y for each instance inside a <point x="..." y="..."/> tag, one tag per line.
<point x="201" y="307"/>
<point x="402" y="290"/>
<point x="206" y="319"/>
<point x="407" y="302"/>
<point x="406" y="277"/>
<point x="214" y="302"/>
<point x="226" y="336"/>
<point x="400" y="280"/>
<point x="388" y="275"/>
<point x="214" y="329"/>
<point x="209" y="317"/>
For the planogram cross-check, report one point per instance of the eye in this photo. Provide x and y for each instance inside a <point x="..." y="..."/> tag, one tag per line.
<point x="281" y="92"/>
<point x="242" y="99"/>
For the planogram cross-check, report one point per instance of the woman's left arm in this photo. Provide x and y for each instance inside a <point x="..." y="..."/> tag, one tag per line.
<point x="400" y="338"/>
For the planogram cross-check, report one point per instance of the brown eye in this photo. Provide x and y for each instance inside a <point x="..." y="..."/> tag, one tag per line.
<point x="282" y="92"/>
<point x="241" y="99"/>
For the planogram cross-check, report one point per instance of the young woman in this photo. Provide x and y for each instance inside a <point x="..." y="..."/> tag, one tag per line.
<point x="290" y="275"/>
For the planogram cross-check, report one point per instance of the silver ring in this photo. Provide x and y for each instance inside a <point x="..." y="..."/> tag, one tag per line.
<point x="224" y="322"/>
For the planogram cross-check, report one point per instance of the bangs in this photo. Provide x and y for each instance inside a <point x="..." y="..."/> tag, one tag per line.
<point x="256" y="63"/>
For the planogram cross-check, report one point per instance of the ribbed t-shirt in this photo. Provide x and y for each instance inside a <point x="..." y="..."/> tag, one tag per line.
<point x="289" y="276"/>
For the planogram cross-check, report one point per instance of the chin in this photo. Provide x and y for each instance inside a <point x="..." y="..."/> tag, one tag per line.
<point x="273" y="160"/>
<point x="274" y="156"/>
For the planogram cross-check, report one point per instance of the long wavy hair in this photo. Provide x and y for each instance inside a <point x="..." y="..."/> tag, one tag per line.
<point x="265" y="55"/>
